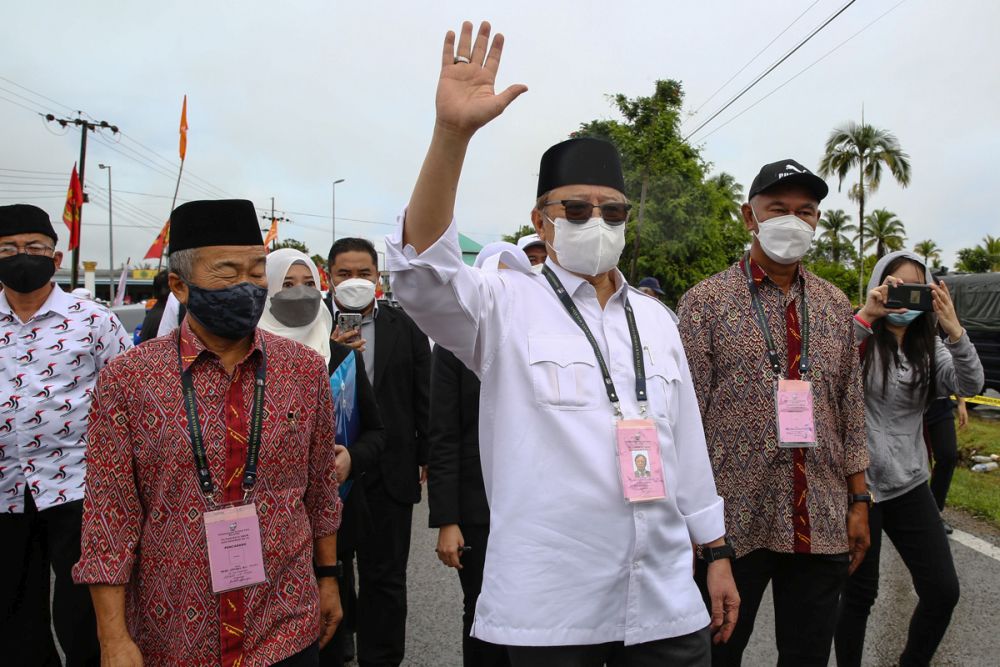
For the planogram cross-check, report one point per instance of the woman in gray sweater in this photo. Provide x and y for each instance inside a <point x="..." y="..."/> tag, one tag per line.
<point x="906" y="365"/>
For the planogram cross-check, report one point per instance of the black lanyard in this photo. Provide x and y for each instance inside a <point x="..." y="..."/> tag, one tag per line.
<point x="772" y="352"/>
<point x="633" y="332"/>
<point x="194" y="427"/>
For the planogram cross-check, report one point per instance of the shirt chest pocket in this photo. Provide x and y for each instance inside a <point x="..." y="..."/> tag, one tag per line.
<point x="563" y="372"/>
<point x="663" y="380"/>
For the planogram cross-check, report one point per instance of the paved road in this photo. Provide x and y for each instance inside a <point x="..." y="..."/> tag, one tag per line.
<point x="435" y="617"/>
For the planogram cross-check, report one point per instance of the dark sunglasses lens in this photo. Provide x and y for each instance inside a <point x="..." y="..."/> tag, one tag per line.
<point x="577" y="211"/>
<point x="614" y="212"/>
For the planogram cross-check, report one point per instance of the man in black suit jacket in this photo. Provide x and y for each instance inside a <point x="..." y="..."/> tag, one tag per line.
<point x="398" y="362"/>
<point x="456" y="496"/>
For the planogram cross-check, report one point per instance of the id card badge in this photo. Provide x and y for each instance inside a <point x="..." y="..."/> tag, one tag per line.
<point x="234" y="552"/>
<point x="639" y="461"/>
<point x="796" y="423"/>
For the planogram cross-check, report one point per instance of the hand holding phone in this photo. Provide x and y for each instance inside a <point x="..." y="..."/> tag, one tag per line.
<point x="910" y="296"/>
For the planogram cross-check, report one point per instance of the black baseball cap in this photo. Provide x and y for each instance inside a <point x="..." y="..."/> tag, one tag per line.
<point x="787" y="171"/>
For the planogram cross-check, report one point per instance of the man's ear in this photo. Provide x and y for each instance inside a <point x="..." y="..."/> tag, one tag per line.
<point x="57" y="259"/>
<point x="538" y="221"/>
<point x="178" y="287"/>
<point x="748" y="220"/>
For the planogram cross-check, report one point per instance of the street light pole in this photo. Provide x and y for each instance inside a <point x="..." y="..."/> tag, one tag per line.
<point x="333" y="208"/>
<point x="111" y="242"/>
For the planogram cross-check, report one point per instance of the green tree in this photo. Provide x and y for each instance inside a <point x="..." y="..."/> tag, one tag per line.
<point x="291" y="243"/>
<point x="974" y="260"/>
<point x="870" y="150"/>
<point x="523" y="230"/>
<point x="991" y="245"/>
<point x="929" y="250"/>
<point x="733" y="192"/>
<point x="687" y="229"/>
<point x="836" y="225"/>
<point x="885" y="231"/>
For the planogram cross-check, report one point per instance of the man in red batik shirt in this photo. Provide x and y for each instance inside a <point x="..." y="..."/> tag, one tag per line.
<point x="211" y="508"/>
<point x="777" y="375"/>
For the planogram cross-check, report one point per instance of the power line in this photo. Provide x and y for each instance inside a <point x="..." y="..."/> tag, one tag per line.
<point x="807" y="68"/>
<point x="772" y="68"/>
<point x="37" y="94"/>
<point x="749" y="62"/>
<point x="30" y="171"/>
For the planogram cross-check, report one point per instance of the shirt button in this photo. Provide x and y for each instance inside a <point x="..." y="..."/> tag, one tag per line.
<point x="640" y="515"/>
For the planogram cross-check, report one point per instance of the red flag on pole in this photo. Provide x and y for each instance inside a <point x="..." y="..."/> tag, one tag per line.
<point x="184" y="129"/>
<point x="71" y="212"/>
<point x="156" y="250"/>
<point x="272" y="234"/>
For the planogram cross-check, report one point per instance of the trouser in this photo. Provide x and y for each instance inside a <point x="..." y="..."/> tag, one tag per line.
<point x="33" y="542"/>
<point x="383" y="551"/>
<point x="307" y="658"/>
<point x="913" y="523"/>
<point x="476" y="652"/>
<point x="689" y="650"/>
<point x="944" y="447"/>
<point x="805" y="589"/>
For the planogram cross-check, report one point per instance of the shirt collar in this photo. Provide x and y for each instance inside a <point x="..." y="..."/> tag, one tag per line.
<point x="573" y="282"/>
<point x="58" y="302"/>
<point x="191" y="346"/>
<point x="759" y="274"/>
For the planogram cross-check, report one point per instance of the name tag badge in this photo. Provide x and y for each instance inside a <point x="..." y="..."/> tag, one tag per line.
<point x="234" y="552"/>
<point x="639" y="460"/>
<point x="796" y="424"/>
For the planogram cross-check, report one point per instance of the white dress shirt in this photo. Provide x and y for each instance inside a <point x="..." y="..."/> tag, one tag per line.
<point x="49" y="367"/>
<point x="569" y="560"/>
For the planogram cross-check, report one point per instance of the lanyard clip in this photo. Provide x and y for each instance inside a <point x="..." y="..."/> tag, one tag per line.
<point x="642" y="409"/>
<point x="618" y="409"/>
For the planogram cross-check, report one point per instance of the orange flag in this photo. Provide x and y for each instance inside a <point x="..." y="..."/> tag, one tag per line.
<point x="156" y="250"/>
<point x="184" y="129"/>
<point x="272" y="234"/>
<point x="71" y="212"/>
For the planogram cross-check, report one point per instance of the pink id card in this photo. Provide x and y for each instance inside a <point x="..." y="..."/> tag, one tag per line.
<point x="234" y="553"/>
<point x="796" y="424"/>
<point x="639" y="461"/>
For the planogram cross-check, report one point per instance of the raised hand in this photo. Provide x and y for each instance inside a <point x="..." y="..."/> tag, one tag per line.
<point x="466" y="98"/>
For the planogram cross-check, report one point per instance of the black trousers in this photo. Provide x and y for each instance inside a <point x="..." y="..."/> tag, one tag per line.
<point x="913" y="523"/>
<point x="689" y="650"/>
<point x="944" y="446"/>
<point x="805" y="589"/>
<point x="33" y="543"/>
<point x="306" y="658"/>
<point x="476" y="652"/>
<point x="383" y="550"/>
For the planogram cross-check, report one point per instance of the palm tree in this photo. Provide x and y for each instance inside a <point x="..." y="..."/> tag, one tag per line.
<point x="928" y="250"/>
<point x="991" y="245"/>
<point x="886" y="232"/>
<point x="870" y="150"/>
<point x="836" y="226"/>
<point x="731" y="190"/>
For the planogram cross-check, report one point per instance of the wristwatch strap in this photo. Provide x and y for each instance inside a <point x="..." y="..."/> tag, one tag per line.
<point x="865" y="497"/>
<point x="711" y="554"/>
<point x="335" y="571"/>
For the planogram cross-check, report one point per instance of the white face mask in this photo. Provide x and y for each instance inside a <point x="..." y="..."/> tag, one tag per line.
<point x="355" y="293"/>
<point x="537" y="268"/>
<point x="588" y="248"/>
<point x="785" y="239"/>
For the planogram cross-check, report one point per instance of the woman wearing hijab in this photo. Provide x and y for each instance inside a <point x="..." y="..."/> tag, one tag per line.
<point x="294" y="303"/>
<point x="905" y="367"/>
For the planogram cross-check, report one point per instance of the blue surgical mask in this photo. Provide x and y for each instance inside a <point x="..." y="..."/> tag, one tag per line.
<point x="903" y="319"/>
<point x="231" y="312"/>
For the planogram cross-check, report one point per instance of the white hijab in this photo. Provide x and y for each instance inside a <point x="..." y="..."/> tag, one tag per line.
<point x="316" y="334"/>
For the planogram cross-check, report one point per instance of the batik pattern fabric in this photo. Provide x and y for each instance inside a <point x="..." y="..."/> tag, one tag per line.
<point x="48" y="370"/>
<point x="143" y="512"/>
<point x="784" y="500"/>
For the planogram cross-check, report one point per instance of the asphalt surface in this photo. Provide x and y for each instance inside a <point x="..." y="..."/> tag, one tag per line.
<point x="434" y="625"/>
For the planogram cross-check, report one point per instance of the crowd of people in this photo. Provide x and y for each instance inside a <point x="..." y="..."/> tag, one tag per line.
<point x="615" y="483"/>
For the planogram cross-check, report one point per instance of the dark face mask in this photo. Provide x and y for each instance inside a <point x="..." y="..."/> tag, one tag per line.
<point x="26" y="273"/>
<point x="296" y="306"/>
<point x="230" y="312"/>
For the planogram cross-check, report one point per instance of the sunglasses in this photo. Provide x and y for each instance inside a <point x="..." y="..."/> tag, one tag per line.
<point x="578" y="211"/>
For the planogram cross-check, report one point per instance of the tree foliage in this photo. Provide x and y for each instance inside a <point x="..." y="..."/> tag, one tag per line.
<point x="885" y="231"/>
<point x="974" y="260"/>
<point x="835" y="226"/>
<point x="293" y="244"/>
<point x="929" y="250"/>
<point x="689" y="230"/>
<point x="523" y="230"/>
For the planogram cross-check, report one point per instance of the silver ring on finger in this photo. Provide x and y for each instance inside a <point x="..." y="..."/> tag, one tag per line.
<point x="462" y="59"/>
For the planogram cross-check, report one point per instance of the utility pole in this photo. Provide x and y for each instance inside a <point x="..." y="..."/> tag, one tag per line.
<point x="273" y="220"/>
<point x="333" y="209"/>
<point x="111" y="242"/>
<point x="84" y="126"/>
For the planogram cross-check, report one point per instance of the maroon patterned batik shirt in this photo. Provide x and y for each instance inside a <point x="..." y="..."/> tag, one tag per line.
<point x="143" y="509"/>
<point x="785" y="500"/>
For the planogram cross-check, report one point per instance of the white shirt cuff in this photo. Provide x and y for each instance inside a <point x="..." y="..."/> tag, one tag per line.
<point x="706" y="525"/>
<point x="443" y="257"/>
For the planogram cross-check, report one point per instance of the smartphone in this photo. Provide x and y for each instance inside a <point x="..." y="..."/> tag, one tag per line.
<point x="348" y="322"/>
<point x="911" y="297"/>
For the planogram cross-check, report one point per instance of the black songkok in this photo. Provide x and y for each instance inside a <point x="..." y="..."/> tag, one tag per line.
<point x="583" y="161"/>
<point x="209" y="222"/>
<point x="25" y="219"/>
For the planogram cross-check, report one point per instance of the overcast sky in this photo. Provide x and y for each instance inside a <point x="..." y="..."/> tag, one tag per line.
<point x="283" y="98"/>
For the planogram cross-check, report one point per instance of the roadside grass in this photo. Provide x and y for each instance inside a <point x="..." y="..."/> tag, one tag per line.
<point x="976" y="492"/>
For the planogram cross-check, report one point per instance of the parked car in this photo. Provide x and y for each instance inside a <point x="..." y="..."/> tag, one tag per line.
<point x="977" y="302"/>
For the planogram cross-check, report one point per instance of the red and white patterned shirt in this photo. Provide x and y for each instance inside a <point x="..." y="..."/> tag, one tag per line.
<point x="142" y="521"/>
<point x="47" y="373"/>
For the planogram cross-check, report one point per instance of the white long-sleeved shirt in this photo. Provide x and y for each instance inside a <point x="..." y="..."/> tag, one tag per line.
<point x="569" y="560"/>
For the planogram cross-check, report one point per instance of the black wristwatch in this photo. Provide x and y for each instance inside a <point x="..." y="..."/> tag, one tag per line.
<point x="866" y="498"/>
<point x="711" y="554"/>
<point x="335" y="571"/>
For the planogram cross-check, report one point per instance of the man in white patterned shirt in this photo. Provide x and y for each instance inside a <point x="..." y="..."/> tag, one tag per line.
<point x="52" y="344"/>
